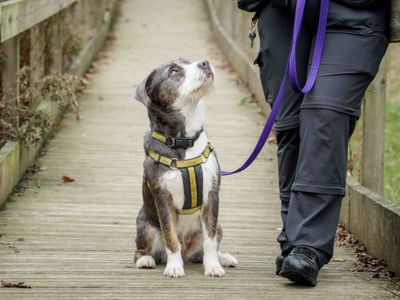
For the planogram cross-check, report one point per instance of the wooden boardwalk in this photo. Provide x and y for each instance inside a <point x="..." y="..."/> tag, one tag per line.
<point x="76" y="240"/>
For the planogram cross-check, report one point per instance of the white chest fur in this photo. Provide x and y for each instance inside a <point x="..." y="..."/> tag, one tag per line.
<point x="172" y="181"/>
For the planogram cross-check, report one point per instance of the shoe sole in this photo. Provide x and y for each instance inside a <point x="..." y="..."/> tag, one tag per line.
<point x="299" y="278"/>
<point x="278" y="266"/>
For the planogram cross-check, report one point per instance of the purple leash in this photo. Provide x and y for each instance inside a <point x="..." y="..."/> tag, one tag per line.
<point x="291" y="71"/>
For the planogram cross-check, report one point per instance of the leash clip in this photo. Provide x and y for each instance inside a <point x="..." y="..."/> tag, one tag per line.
<point x="252" y="33"/>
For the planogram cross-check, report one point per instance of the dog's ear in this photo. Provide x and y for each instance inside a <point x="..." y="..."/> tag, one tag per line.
<point x="140" y="93"/>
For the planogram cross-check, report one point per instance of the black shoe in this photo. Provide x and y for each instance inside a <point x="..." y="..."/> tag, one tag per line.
<point x="301" y="266"/>
<point x="278" y="263"/>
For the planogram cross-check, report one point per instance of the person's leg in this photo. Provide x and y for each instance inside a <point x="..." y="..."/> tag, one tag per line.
<point x="288" y="150"/>
<point x="275" y="31"/>
<point x="350" y="61"/>
<point x="319" y="183"/>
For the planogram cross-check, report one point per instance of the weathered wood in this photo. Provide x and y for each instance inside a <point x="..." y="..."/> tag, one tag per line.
<point x="88" y="19"/>
<point x="76" y="241"/>
<point x="14" y="157"/>
<point x="36" y="56"/>
<point x="395" y="21"/>
<point x="9" y="169"/>
<point x="56" y="46"/>
<point x="10" y="66"/>
<point x="93" y="45"/>
<point x="373" y="133"/>
<point x="20" y="15"/>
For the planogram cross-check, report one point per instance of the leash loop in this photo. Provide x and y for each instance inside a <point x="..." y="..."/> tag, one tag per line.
<point x="291" y="72"/>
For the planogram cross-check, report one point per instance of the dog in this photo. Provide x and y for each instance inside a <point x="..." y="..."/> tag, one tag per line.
<point x="178" y="222"/>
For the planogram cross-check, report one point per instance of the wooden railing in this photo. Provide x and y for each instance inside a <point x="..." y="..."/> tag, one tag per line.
<point x="47" y="36"/>
<point x="365" y="212"/>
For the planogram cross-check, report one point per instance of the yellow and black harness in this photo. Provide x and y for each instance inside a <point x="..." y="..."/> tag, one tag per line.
<point x="191" y="171"/>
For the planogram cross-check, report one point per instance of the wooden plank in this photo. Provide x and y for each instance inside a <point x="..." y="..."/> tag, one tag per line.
<point x="19" y="15"/>
<point x="56" y="46"/>
<point x="36" y="58"/>
<point x="395" y="21"/>
<point x="76" y="241"/>
<point x="374" y="133"/>
<point x="11" y="66"/>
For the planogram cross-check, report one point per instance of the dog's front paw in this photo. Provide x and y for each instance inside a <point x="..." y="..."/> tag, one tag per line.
<point x="227" y="260"/>
<point x="145" y="262"/>
<point x="215" y="271"/>
<point x="174" y="271"/>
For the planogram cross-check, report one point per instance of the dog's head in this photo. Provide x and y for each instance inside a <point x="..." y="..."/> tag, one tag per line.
<point x="176" y="84"/>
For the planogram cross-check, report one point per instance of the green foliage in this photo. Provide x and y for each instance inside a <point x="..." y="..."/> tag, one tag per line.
<point x="392" y="152"/>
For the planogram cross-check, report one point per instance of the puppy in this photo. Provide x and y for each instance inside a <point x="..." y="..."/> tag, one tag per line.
<point x="178" y="221"/>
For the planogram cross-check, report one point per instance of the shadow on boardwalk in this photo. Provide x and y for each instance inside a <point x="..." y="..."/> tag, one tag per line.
<point x="76" y="241"/>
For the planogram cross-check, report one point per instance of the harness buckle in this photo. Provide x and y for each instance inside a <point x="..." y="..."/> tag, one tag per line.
<point x="170" y="142"/>
<point x="173" y="166"/>
<point x="184" y="143"/>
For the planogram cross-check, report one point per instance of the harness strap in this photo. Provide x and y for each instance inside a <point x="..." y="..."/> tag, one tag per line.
<point x="174" y="142"/>
<point x="192" y="179"/>
<point x="173" y="163"/>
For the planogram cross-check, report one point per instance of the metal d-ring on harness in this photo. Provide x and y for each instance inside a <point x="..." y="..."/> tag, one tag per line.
<point x="191" y="171"/>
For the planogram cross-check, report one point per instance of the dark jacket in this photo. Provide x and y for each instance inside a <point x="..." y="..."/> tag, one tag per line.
<point x="255" y="5"/>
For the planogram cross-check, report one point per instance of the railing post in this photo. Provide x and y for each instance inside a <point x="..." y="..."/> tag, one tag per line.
<point x="11" y="65"/>
<point x="56" y="46"/>
<point x="372" y="170"/>
<point x="36" y="57"/>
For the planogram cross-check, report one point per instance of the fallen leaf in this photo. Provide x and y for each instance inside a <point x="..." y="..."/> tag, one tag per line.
<point x="20" y="285"/>
<point x="67" y="179"/>
<point x="338" y="259"/>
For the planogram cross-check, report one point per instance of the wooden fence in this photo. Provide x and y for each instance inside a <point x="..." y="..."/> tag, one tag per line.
<point x="61" y="36"/>
<point x="365" y="212"/>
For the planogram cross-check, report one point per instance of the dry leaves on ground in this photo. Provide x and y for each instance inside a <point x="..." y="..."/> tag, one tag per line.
<point x="67" y="179"/>
<point x="20" y="285"/>
<point x="365" y="263"/>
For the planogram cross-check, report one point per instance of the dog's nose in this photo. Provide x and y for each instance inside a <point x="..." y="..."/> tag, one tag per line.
<point x="205" y="65"/>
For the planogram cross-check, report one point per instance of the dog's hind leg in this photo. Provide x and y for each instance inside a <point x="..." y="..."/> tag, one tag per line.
<point x="225" y="259"/>
<point x="148" y="239"/>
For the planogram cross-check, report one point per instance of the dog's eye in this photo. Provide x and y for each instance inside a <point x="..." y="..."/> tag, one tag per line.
<point x="173" y="71"/>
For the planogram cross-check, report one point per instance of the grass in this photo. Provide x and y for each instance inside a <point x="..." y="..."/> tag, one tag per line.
<point x="392" y="127"/>
<point x="392" y="132"/>
<point x="392" y="151"/>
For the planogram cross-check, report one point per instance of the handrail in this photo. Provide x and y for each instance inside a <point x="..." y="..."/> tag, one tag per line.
<point x="17" y="16"/>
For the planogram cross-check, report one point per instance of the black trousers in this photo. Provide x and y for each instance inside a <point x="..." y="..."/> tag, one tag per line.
<point x="313" y="131"/>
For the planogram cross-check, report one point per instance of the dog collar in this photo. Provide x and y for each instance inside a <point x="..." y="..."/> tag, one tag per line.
<point x="173" y="142"/>
<point x="173" y="163"/>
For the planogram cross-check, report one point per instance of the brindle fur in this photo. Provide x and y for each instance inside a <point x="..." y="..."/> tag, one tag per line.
<point x="158" y="216"/>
